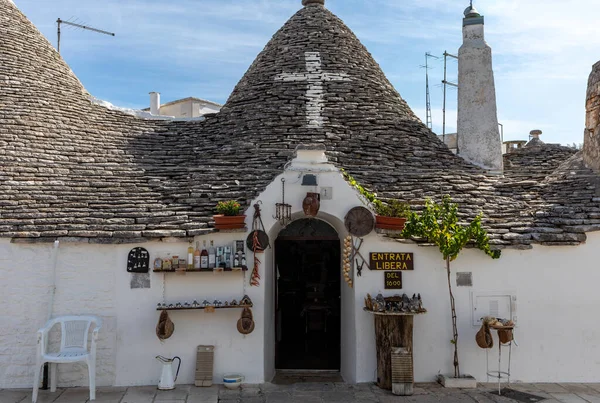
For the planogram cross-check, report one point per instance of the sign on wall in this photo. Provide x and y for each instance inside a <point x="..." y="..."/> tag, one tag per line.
<point x="391" y="261"/>
<point x="393" y="280"/>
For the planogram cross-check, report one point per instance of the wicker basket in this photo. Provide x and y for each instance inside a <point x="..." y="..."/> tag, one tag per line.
<point x="505" y="335"/>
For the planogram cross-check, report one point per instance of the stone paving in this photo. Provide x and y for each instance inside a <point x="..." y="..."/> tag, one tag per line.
<point x="307" y="393"/>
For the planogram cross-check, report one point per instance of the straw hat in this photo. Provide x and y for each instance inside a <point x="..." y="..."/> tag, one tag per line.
<point x="165" y="327"/>
<point x="245" y="325"/>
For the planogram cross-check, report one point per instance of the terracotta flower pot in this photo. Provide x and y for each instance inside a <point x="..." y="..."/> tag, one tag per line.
<point x="393" y="223"/>
<point x="229" y="222"/>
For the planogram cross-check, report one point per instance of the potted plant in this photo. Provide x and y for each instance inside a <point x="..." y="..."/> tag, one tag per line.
<point x="390" y="214"/>
<point x="438" y="223"/>
<point x="229" y="215"/>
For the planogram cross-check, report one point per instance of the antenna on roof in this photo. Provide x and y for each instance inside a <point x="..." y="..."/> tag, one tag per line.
<point x="445" y="82"/>
<point x="72" y="24"/>
<point x="427" y="97"/>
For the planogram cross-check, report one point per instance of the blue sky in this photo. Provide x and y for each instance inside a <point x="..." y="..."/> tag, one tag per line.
<point x="543" y="50"/>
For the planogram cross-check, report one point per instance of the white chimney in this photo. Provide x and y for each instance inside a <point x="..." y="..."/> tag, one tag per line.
<point x="155" y="103"/>
<point x="535" y="134"/>
<point x="478" y="134"/>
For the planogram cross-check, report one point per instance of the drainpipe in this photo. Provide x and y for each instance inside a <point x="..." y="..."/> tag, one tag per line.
<point x="51" y="305"/>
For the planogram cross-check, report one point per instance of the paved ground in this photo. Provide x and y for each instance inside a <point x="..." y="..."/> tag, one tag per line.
<point x="306" y="393"/>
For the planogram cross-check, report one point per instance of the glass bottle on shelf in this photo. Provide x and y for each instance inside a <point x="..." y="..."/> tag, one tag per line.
<point x="236" y="261"/>
<point x="212" y="258"/>
<point x="204" y="257"/>
<point x="190" y="256"/>
<point x="197" y="256"/>
<point x="243" y="259"/>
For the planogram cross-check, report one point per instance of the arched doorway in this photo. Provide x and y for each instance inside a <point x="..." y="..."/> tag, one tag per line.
<point x="307" y="298"/>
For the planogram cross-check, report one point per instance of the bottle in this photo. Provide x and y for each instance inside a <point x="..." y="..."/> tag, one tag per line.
<point x="243" y="259"/>
<point x="212" y="258"/>
<point x="197" y="256"/>
<point x="236" y="261"/>
<point x="204" y="257"/>
<point x="190" y="259"/>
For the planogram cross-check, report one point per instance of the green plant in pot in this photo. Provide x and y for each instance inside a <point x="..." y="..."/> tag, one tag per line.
<point x="438" y="223"/>
<point x="390" y="214"/>
<point x="229" y="215"/>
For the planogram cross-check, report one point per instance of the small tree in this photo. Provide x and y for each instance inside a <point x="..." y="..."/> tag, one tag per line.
<point x="438" y="223"/>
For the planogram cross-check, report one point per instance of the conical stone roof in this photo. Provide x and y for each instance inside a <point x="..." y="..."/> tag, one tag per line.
<point x="315" y="82"/>
<point x="71" y="168"/>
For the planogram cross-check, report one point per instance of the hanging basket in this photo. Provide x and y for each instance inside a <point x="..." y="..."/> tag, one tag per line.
<point x="392" y="223"/>
<point x="229" y="222"/>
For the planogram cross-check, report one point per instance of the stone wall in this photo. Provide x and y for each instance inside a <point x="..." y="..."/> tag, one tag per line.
<point x="591" y="142"/>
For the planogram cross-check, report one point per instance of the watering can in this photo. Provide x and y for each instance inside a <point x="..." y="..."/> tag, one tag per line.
<point x="167" y="381"/>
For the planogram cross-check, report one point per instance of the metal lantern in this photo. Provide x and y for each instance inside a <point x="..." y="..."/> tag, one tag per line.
<point x="283" y="211"/>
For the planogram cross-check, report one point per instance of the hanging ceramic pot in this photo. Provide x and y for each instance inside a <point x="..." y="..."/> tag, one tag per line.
<point x="311" y="204"/>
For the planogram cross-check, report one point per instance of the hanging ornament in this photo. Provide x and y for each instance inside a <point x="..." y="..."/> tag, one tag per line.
<point x="311" y="204"/>
<point x="283" y="211"/>
<point x="256" y="244"/>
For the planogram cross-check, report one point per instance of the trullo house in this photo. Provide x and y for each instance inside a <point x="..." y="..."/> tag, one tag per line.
<point x="103" y="182"/>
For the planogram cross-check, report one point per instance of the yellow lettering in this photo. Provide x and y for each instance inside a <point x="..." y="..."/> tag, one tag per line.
<point x="404" y="266"/>
<point x="408" y="256"/>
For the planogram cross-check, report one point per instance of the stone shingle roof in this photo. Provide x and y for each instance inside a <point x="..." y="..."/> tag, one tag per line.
<point x="536" y="160"/>
<point x="75" y="169"/>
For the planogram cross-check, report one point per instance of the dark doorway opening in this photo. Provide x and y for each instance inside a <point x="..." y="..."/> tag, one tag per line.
<point x="307" y="255"/>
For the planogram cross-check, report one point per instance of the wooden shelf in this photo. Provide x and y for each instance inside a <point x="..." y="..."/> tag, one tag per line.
<point x="385" y="313"/>
<point x="202" y="308"/>
<point x="244" y="268"/>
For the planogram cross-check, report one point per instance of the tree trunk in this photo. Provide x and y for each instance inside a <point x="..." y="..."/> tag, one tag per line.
<point x="454" y="325"/>
<point x="390" y="331"/>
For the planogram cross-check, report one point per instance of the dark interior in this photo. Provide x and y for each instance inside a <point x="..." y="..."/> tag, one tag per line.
<point x="308" y="303"/>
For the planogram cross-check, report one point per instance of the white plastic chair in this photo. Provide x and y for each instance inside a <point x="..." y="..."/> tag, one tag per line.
<point x="73" y="348"/>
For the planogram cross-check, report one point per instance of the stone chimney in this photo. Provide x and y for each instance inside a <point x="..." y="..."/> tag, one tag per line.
<point x="534" y="139"/>
<point x="155" y="103"/>
<point x="591" y="134"/>
<point x="478" y="134"/>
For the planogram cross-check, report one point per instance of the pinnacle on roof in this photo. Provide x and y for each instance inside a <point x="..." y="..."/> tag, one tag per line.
<point x="313" y="2"/>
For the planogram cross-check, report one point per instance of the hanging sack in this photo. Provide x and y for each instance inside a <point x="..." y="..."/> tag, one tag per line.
<point x="484" y="336"/>
<point x="245" y="325"/>
<point x="165" y="327"/>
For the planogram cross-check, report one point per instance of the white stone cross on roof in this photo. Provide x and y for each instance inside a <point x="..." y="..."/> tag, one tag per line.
<point x="315" y="77"/>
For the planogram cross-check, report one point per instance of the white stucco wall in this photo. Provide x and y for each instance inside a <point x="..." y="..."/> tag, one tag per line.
<point x="92" y="279"/>
<point x="331" y="211"/>
<point x="188" y="109"/>
<point x="555" y="290"/>
<point x="556" y="298"/>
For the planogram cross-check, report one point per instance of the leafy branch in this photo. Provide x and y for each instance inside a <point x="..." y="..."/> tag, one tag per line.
<point x="438" y="223"/>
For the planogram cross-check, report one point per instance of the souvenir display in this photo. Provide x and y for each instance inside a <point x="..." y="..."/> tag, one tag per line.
<point x="214" y="258"/>
<point x="138" y="261"/>
<point x="396" y="304"/>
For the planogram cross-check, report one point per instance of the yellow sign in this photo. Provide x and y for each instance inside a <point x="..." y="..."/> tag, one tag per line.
<point x="391" y="261"/>
<point x="393" y="280"/>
